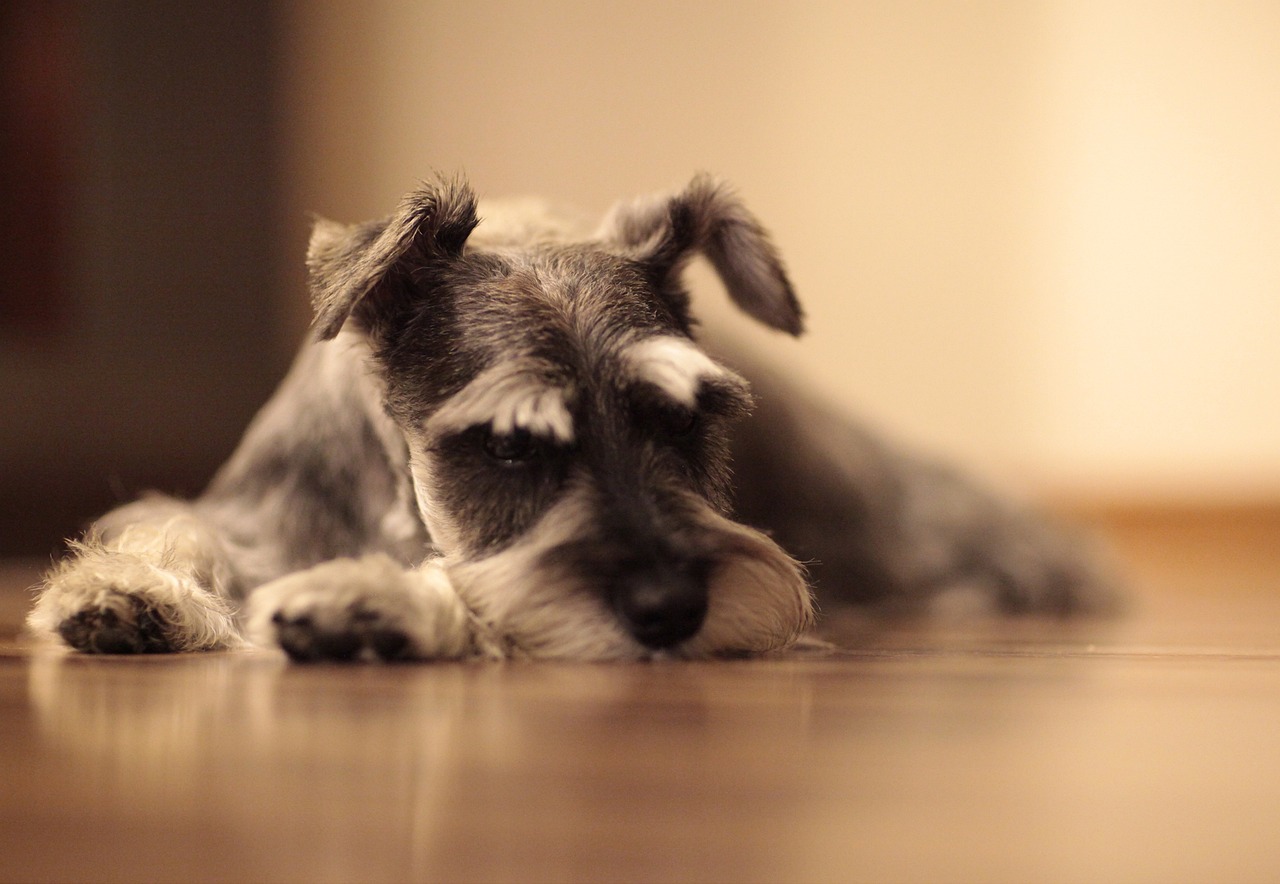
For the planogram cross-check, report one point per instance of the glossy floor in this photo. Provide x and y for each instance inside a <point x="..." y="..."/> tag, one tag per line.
<point x="1141" y="749"/>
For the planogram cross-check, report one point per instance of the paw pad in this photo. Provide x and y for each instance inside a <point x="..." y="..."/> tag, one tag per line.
<point x="105" y="631"/>
<point x="362" y="635"/>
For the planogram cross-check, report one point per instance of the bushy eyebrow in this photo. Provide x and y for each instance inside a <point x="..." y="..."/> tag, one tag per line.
<point x="685" y="375"/>
<point x="510" y="396"/>
<point x="673" y="364"/>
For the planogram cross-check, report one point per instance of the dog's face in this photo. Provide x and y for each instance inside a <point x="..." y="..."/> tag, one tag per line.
<point x="568" y="439"/>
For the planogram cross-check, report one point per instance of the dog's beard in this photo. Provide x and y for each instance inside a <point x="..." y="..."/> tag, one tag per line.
<point x="758" y="599"/>
<point x="529" y="610"/>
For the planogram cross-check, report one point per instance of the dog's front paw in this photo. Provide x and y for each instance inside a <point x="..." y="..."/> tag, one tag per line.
<point x="105" y="601"/>
<point x="362" y="609"/>
<point x="118" y="624"/>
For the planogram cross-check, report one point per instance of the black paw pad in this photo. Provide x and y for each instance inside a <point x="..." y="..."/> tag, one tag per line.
<point x="103" y="631"/>
<point x="362" y="636"/>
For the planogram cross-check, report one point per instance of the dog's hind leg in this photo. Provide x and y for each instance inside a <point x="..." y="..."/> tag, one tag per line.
<point x="150" y="577"/>
<point x="886" y="529"/>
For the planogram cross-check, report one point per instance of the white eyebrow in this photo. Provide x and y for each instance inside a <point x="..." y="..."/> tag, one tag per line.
<point x="509" y="397"/>
<point x="674" y="365"/>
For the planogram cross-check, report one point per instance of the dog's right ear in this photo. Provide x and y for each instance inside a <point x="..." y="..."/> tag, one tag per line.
<point x="351" y="268"/>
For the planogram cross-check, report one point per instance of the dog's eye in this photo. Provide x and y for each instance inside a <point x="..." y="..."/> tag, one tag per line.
<point x="511" y="448"/>
<point x="676" y="422"/>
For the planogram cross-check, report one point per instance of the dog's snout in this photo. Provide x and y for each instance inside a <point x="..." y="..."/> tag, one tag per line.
<point x="662" y="606"/>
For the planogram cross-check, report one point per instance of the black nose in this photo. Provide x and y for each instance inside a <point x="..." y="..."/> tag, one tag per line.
<point x="662" y="606"/>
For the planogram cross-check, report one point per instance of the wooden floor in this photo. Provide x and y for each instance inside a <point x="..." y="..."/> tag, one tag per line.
<point x="1141" y="749"/>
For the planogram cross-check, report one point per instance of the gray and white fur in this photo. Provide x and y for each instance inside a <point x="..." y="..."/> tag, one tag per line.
<point x="505" y="440"/>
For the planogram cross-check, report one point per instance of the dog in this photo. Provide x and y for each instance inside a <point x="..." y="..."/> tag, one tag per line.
<point x="507" y="439"/>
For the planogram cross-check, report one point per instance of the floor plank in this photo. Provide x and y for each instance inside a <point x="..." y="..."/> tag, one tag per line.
<point x="1136" y="749"/>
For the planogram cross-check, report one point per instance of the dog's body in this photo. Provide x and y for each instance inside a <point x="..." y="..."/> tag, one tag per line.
<point x="505" y="441"/>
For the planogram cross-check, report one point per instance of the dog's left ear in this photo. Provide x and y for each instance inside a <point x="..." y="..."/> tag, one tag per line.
<point x="707" y="217"/>
<point x="351" y="268"/>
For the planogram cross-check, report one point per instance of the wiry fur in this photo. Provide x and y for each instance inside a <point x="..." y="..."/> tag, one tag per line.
<point x="505" y="441"/>
<point x="674" y="365"/>
<point x="157" y="584"/>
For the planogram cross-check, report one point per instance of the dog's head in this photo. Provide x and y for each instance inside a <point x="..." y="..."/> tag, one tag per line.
<point x="568" y="438"/>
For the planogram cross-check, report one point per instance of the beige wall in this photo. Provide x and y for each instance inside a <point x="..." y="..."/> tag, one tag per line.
<point x="1041" y="237"/>
<point x="1156" y="286"/>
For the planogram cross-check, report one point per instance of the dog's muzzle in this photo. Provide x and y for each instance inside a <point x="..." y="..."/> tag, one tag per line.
<point x="662" y="603"/>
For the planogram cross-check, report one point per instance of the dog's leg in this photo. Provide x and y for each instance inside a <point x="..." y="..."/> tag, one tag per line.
<point x="313" y="479"/>
<point x="366" y="608"/>
<point x="150" y="577"/>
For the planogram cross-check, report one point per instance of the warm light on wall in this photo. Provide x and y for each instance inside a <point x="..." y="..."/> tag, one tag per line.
<point x="1039" y="236"/>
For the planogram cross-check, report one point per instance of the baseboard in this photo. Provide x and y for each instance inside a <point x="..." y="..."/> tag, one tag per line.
<point x="1200" y="545"/>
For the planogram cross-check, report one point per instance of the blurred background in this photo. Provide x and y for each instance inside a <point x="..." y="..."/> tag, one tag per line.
<point x="1042" y="238"/>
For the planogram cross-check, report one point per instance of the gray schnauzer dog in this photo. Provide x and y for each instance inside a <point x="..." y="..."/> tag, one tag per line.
<point x="506" y="440"/>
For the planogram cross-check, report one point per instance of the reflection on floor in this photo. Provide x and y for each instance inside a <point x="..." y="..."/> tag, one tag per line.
<point x="1137" y="749"/>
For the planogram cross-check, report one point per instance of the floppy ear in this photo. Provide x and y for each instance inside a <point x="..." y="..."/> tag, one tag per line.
<point x="350" y="266"/>
<point x="707" y="217"/>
